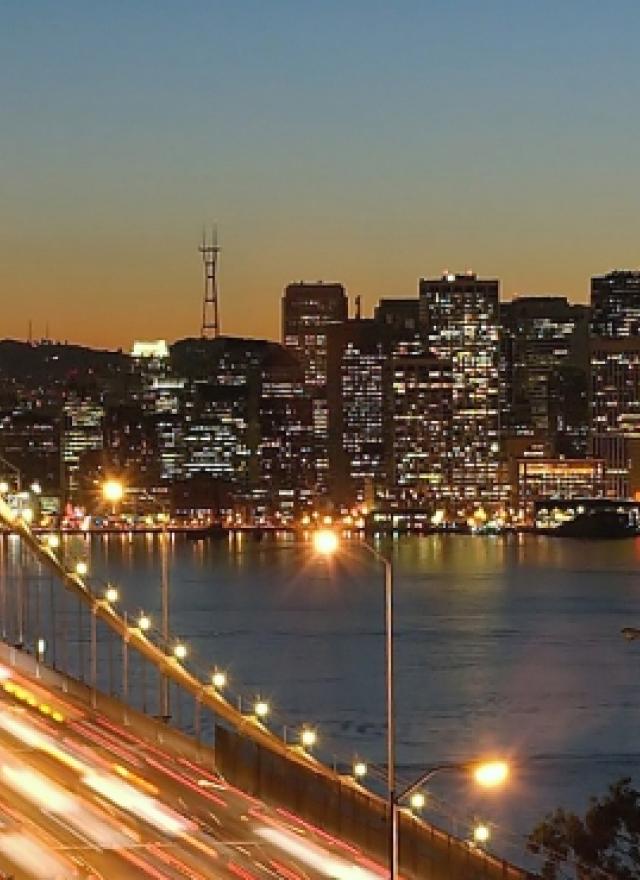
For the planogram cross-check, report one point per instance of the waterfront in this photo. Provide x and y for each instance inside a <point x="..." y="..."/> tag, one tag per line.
<point x="509" y="645"/>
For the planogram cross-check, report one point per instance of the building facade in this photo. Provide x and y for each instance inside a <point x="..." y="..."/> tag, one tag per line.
<point x="460" y="317"/>
<point x="309" y="311"/>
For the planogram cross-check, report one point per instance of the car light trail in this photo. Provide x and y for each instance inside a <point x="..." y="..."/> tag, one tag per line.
<point x="33" y="858"/>
<point x="315" y="857"/>
<point x="125" y="796"/>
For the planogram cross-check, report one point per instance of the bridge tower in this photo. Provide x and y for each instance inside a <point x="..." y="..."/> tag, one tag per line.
<point x="210" y="314"/>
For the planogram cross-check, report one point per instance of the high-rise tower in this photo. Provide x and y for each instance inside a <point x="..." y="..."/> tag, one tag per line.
<point x="210" y="313"/>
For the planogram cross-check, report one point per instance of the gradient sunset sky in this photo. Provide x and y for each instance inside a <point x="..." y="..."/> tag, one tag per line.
<point x="353" y="140"/>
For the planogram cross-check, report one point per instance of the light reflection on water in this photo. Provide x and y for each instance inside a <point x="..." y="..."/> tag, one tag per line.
<point x="508" y="646"/>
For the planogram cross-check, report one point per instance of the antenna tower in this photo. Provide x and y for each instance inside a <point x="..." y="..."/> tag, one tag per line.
<point x="210" y="317"/>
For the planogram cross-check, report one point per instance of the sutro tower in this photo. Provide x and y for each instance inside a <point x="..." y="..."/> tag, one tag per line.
<point x="210" y="314"/>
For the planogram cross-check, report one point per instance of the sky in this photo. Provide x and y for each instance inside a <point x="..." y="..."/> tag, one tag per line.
<point x="353" y="140"/>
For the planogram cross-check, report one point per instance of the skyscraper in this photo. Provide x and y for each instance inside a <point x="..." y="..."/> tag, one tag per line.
<point x="309" y="309"/>
<point x="615" y="304"/>
<point x="460" y="317"/>
<point x="545" y="369"/>
<point x="360" y="439"/>
<point x="615" y="378"/>
<point x="422" y="390"/>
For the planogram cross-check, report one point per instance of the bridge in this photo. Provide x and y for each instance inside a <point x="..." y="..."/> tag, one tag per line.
<point x="94" y="786"/>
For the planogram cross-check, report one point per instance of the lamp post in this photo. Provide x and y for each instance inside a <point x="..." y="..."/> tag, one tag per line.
<point x="326" y="542"/>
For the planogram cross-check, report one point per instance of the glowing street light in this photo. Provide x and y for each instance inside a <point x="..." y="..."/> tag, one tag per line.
<point x="417" y="800"/>
<point x="219" y="679"/>
<point x="180" y="651"/>
<point x="481" y="833"/>
<point x="144" y="623"/>
<point x="111" y="595"/>
<point x="261" y="708"/>
<point x="325" y="542"/>
<point x="81" y="568"/>
<point x="308" y="737"/>
<point x="41" y="647"/>
<point x="53" y="541"/>
<point x="491" y="774"/>
<point x="359" y="769"/>
<point x="112" y="491"/>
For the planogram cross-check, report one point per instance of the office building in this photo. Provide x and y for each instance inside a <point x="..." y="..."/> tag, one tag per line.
<point x="422" y="399"/>
<point x="545" y="371"/>
<point x="460" y="316"/>
<point x="615" y="304"/>
<point x="360" y="436"/>
<point x="309" y="310"/>
<point x="615" y="412"/>
<point x="541" y="478"/>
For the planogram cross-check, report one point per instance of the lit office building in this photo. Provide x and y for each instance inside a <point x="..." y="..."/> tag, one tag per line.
<point x="615" y="304"/>
<point x="82" y="441"/>
<point x="309" y="310"/>
<point x="285" y="465"/>
<point x="615" y="412"/>
<point x="545" y="371"/>
<point x="460" y="317"/>
<point x="548" y="478"/>
<point x="360" y="439"/>
<point x="422" y="417"/>
<point x="31" y="443"/>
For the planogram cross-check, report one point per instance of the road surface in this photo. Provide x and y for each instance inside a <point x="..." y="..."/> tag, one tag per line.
<point x="82" y="797"/>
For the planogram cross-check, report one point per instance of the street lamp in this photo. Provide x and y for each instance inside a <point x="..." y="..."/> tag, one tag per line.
<point x="81" y="568"/>
<point x="308" y="737"/>
<point x="359" y="769"/>
<point x="111" y="595"/>
<point x="144" y="623"/>
<point x="180" y="651"/>
<point x="261" y="708"/>
<point x="219" y="679"/>
<point x="325" y="542"/>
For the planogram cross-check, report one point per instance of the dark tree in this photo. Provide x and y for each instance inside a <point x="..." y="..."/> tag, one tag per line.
<point x="605" y="845"/>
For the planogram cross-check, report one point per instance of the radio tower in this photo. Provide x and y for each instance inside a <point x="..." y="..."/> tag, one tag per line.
<point x="210" y="316"/>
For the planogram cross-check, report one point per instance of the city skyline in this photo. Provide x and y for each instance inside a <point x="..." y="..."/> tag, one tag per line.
<point x="364" y="144"/>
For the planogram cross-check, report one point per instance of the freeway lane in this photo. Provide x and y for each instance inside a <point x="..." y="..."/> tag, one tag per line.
<point x="82" y="797"/>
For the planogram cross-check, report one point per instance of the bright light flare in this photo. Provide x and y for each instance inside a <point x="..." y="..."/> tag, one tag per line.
<point x="359" y="769"/>
<point x="261" y="708"/>
<point x="491" y="774"/>
<point x="180" y="651"/>
<point x="81" y="568"/>
<point x="417" y="801"/>
<point x="325" y="542"/>
<point x="111" y="595"/>
<point x="144" y="623"/>
<point x="219" y="679"/>
<point x="308" y="738"/>
<point x="53" y="541"/>
<point x="112" y="491"/>
<point x="481" y="833"/>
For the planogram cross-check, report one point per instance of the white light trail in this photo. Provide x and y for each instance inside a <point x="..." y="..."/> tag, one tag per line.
<point x="33" y="858"/>
<point x="315" y="856"/>
<point x="141" y="805"/>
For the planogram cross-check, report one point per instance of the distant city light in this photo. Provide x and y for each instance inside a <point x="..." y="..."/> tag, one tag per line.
<point x="325" y="542"/>
<point x="112" y="491"/>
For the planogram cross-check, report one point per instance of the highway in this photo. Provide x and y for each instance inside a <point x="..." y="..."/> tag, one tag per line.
<point x="82" y="797"/>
